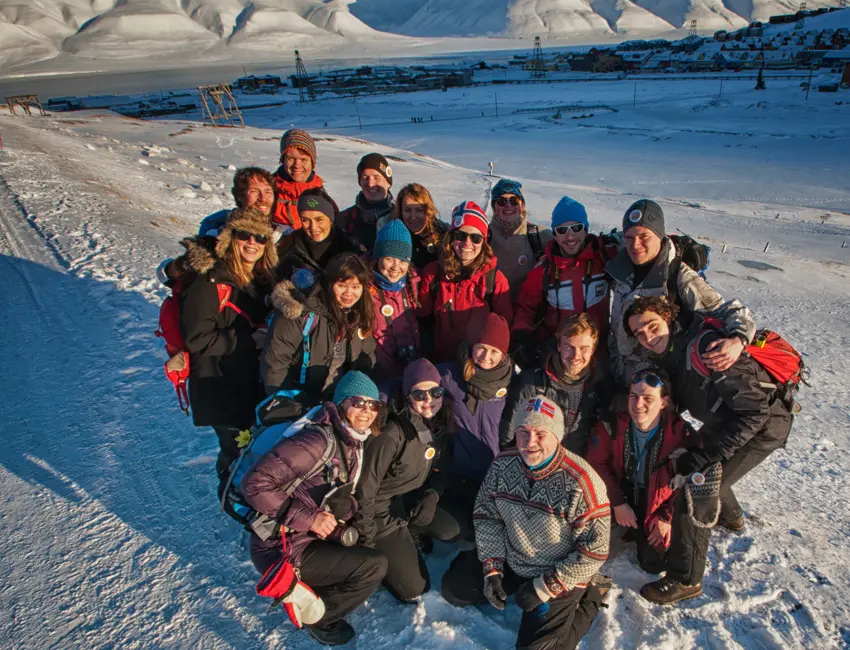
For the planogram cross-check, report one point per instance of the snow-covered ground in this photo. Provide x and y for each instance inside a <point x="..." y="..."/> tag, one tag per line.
<point x="111" y="534"/>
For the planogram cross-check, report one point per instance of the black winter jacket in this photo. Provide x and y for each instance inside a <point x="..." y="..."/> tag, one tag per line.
<point x="283" y="354"/>
<point x="301" y="253"/>
<point x="734" y="406"/>
<point x="597" y="393"/>
<point x="396" y="463"/>
<point x="224" y="361"/>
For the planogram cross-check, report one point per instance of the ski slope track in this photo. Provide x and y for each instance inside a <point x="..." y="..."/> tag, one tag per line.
<point x="111" y="532"/>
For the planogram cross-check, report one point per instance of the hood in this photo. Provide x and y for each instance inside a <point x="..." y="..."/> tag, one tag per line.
<point x="199" y="253"/>
<point x="291" y="302"/>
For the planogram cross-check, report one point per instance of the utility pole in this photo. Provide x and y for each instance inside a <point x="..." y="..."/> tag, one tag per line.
<point x="496" y="101"/>
<point x="634" y="98"/>
<point x="357" y="108"/>
<point x="809" y="85"/>
<point x="720" y="94"/>
<point x="303" y="80"/>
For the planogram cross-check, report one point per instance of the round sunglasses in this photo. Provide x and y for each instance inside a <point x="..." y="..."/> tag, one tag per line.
<point x="576" y="228"/>
<point x="364" y="403"/>
<point x="460" y="235"/>
<point x="507" y="200"/>
<point x="421" y="395"/>
<point x="244" y="235"/>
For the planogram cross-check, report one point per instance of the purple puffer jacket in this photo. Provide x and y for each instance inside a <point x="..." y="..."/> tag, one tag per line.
<point x="294" y="457"/>
<point x="476" y="442"/>
<point x="402" y="330"/>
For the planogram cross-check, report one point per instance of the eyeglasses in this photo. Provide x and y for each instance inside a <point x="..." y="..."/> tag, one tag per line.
<point x="368" y="404"/>
<point x="649" y="378"/>
<point x="244" y="235"/>
<point x="576" y="228"/>
<point x="502" y="201"/>
<point x="420" y="395"/>
<point x="460" y="235"/>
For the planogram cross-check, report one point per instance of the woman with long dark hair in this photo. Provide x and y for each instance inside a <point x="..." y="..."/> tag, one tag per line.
<point x="464" y="285"/>
<point x="315" y="338"/>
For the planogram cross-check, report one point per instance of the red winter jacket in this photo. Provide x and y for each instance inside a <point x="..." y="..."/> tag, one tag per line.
<point x="287" y="193"/>
<point x="572" y="285"/>
<point x="396" y="328"/>
<point x="606" y="455"/>
<point x="454" y="303"/>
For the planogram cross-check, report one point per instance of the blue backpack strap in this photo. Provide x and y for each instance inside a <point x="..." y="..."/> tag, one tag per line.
<point x="305" y="359"/>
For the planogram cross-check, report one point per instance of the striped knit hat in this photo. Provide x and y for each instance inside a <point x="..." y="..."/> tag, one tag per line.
<point x="301" y="139"/>
<point x="540" y="412"/>
<point x="469" y="213"/>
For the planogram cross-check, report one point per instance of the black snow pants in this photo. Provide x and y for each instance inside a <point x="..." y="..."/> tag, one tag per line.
<point x="407" y="576"/>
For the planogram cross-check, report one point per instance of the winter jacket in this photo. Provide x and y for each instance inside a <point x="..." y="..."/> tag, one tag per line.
<point x="360" y="221"/>
<point x="476" y="440"/>
<point x="596" y="391"/>
<point x="560" y="286"/>
<point x="396" y="329"/>
<point x="736" y="406"/>
<point x="516" y="254"/>
<point x="452" y="304"/>
<point x="223" y="357"/>
<point x="294" y="457"/>
<point x="300" y="253"/>
<point x="284" y="357"/>
<point x="611" y="455"/>
<point x="694" y="295"/>
<point x="287" y="192"/>
<point x="551" y="524"/>
<point x="395" y="463"/>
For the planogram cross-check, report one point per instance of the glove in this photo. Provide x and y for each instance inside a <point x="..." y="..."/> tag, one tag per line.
<point x="524" y="353"/>
<point x="688" y="463"/>
<point x="526" y="596"/>
<point x="494" y="592"/>
<point x="423" y="512"/>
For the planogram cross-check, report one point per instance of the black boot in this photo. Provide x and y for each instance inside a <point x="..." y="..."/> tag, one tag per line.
<point x="423" y="542"/>
<point x="337" y="633"/>
<point x="668" y="591"/>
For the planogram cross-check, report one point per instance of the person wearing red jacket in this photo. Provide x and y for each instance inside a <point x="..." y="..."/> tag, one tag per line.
<point x="296" y="173"/>
<point x="463" y="284"/>
<point x="633" y="455"/>
<point x="570" y="279"/>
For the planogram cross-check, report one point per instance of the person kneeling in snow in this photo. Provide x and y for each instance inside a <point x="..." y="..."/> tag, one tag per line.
<point x="542" y="523"/>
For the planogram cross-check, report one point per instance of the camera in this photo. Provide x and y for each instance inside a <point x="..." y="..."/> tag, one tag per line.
<point x="344" y="535"/>
<point x="407" y="353"/>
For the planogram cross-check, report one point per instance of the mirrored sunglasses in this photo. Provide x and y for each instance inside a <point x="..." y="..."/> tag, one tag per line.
<point x="508" y="200"/>
<point x="460" y="235"/>
<point x="421" y="395"/>
<point x="244" y="235"/>
<point x="576" y="228"/>
<point x="368" y="404"/>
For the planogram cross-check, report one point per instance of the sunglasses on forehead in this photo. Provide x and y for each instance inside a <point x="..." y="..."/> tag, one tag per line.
<point x="460" y="235"/>
<point x="649" y="378"/>
<point x="576" y="228"/>
<point x="244" y="235"/>
<point x="421" y="395"/>
<point x="364" y="403"/>
<point x="507" y="200"/>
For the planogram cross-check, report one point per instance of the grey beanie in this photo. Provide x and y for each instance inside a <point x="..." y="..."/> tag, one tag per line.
<point x="645" y="213"/>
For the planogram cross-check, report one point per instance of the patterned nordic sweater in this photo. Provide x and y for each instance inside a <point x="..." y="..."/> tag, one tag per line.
<point x="552" y="524"/>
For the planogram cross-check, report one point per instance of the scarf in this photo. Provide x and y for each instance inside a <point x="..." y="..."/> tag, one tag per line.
<point x="484" y="384"/>
<point x="574" y="388"/>
<point x="362" y="436"/>
<point x="386" y="285"/>
<point x="563" y="376"/>
<point x="371" y="212"/>
<point x="317" y="250"/>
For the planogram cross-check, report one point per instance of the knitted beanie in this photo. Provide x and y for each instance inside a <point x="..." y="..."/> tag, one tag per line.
<point x="250" y="220"/>
<point x="355" y="384"/>
<point x="469" y="213"/>
<point x="506" y="186"/>
<point x="377" y="162"/>
<point x="418" y="371"/>
<point x="316" y="199"/>
<point x="569" y="210"/>
<point x="540" y="412"/>
<point x="301" y="139"/>
<point x="645" y="213"/>
<point x="394" y="240"/>
<point x="494" y="331"/>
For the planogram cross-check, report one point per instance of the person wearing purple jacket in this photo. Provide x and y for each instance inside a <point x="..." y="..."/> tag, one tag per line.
<point x="314" y="517"/>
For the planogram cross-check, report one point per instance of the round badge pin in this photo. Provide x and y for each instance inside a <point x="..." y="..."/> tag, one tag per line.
<point x="389" y="172"/>
<point x="635" y="216"/>
<point x="522" y="260"/>
<point x="501" y="392"/>
<point x="387" y="310"/>
<point x="430" y="453"/>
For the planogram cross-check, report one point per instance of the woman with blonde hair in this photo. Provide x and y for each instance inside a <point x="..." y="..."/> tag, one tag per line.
<point x="415" y="208"/>
<point x="222" y="309"/>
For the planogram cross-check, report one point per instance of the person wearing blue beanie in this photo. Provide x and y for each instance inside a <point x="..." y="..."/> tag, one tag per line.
<point x="355" y="384"/>
<point x="569" y="211"/>
<point x="394" y="240"/>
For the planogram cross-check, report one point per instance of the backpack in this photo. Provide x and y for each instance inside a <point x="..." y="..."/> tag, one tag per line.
<point x="533" y="235"/>
<point x="694" y="254"/>
<point x="264" y="436"/>
<point x="772" y="352"/>
<point x="177" y="366"/>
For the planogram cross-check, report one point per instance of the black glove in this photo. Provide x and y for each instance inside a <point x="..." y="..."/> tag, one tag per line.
<point x="524" y="349"/>
<point x="340" y="501"/>
<point x="526" y="596"/>
<point x="494" y="592"/>
<point x="423" y="512"/>
<point x="688" y="463"/>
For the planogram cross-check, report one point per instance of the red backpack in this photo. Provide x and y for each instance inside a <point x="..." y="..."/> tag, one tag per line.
<point x="772" y="352"/>
<point x="177" y="366"/>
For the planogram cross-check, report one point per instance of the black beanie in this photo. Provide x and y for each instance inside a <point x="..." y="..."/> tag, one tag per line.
<point x="377" y="162"/>
<point x="319" y="201"/>
<point x="645" y="213"/>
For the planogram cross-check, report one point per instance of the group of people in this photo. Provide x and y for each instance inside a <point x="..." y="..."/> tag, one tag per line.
<point x="511" y="389"/>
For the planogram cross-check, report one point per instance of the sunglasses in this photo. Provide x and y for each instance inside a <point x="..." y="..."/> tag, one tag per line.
<point x="368" y="404"/>
<point x="244" y="235"/>
<point x="502" y="201"/>
<point x="420" y="395"/>
<point x="460" y="235"/>
<point x="649" y="378"/>
<point x="576" y="228"/>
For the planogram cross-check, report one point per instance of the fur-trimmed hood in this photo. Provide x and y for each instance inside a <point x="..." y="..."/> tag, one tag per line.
<point x="249" y="220"/>
<point x="292" y="303"/>
<point x="199" y="253"/>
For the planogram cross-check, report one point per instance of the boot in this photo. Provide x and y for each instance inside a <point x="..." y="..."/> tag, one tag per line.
<point x="668" y="591"/>
<point x="735" y="524"/>
<point x="423" y="542"/>
<point x="337" y="633"/>
<point x="602" y="585"/>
